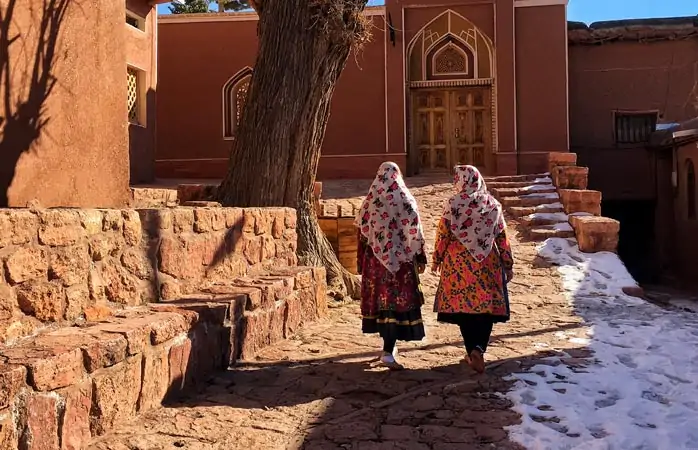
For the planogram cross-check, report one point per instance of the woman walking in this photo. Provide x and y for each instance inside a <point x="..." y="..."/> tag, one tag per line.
<point x="390" y="256"/>
<point x="474" y="257"/>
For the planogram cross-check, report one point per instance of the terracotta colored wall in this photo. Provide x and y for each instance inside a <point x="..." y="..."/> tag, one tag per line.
<point x="541" y="85"/>
<point x="192" y="72"/>
<point x="66" y="145"/>
<point x="141" y="55"/>
<point x="630" y="76"/>
<point x="686" y="229"/>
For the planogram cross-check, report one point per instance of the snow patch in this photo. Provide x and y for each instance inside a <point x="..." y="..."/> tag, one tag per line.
<point x="539" y="195"/>
<point x="640" y="391"/>
<point x="538" y="187"/>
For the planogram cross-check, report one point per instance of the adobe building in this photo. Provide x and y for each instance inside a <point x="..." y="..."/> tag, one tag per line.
<point x="478" y="82"/>
<point x="77" y="89"/>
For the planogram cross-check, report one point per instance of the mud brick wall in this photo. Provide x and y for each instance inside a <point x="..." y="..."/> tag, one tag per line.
<point x="70" y="266"/>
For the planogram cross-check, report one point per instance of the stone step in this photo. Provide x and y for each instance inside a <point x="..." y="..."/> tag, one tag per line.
<point x="108" y="371"/>
<point x="544" y="218"/>
<point x="519" y="178"/>
<point x="145" y="197"/>
<point x="543" y="232"/>
<point x="520" y="211"/>
<point x="530" y="200"/>
<point x="517" y="184"/>
<point x="517" y="191"/>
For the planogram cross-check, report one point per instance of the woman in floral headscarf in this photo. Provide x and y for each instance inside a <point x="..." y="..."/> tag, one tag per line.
<point x="390" y="256"/>
<point x="474" y="257"/>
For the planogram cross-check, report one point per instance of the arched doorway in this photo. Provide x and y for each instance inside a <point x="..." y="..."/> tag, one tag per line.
<point x="450" y="78"/>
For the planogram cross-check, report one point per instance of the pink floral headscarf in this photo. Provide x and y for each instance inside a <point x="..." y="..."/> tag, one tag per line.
<point x="389" y="219"/>
<point x="475" y="216"/>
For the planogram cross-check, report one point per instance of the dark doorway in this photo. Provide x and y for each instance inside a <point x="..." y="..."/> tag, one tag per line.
<point x="636" y="238"/>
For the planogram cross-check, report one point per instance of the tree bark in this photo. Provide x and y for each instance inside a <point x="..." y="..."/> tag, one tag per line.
<point x="303" y="48"/>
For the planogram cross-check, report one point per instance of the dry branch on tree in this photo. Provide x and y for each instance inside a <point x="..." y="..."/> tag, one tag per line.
<point x="303" y="48"/>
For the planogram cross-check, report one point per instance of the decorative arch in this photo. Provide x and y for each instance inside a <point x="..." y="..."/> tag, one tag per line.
<point x="691" y="205"/>
<point x="234" y="96"/>
<point x="452" y="33"/>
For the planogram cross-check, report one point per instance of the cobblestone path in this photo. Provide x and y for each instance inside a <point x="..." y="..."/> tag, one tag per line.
<point x="322" y="390"/>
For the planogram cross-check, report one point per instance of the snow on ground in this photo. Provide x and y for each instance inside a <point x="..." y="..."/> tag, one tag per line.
<point x="545" y="206"/>
<point x="553" y="217"/>
<point x="538" y="187"/>
<point x="541" y="195"/>
<point x="640" y="391"/>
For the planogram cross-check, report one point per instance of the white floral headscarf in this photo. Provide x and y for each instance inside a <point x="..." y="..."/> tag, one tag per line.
<point x="389" y="219"/>
<point x="475" y="216"/>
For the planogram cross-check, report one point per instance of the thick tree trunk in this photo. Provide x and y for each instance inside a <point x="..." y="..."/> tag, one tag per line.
<point x="303" y="47"/>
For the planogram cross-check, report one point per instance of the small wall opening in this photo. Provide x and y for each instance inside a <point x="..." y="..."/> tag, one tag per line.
<point x="636" y="245"/>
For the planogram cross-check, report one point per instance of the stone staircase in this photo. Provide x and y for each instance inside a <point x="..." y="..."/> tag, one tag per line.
<point x="105" y="314"/>
<point x="557" y="204"/>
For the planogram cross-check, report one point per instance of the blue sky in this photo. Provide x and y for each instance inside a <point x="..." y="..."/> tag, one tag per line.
<point x="594" y="10"/>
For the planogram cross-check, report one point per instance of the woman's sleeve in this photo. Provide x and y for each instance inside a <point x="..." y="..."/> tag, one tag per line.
<point x="443" y="238"/>
<point x="505" y="249"/>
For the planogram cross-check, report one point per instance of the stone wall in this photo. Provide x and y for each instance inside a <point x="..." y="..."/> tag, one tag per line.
<point x="105" y="314"/>
<point x="64" y="265"/>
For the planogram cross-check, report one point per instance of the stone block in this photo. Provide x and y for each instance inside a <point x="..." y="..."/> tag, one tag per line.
<point x="155" y="221"/>
<point x="104" y="245"/>
<point x="60" y="227"/>
<point x="291" y="218"/>
<point x="113" y="221"/>
<point x="91" y="220"/>
<point x="156" y="377"/>
<point x="42" y="299"/>
<point x="294" y="315"/>
<point x="208" y="352"/>
<point x="8" y="302"/>
<point x="119" y="285"/>
<point x="556" y="159"/>
<point x="596" y="234"/>
<point x="277" y="321"/>
<point x="77" y="302"/>
<point x="115" y="394"/>
<point x="581" y="201"/>
<point x="27" y="263"/>
<point x="41" y="431"/>
<point x="133" y="231"/>
<point x="166" y="326"/>
<point x="12" y="378"/>
<point x="254" y="332"/>
<point x="570" y="177"/>
<point x="250" y="247"/>
<point x="182" y="220"/>
<point x="17" y="227"/>
<point x="104" y="349"/>
<point x="279" y="224"/>
<point x="308" y="304"/>
<point x="49" y="368"/>
<point x="136" y="261"/>
<point x="196" y="192"/>
<point x="179" y="359"/>
<point x="248" y="220"/>
<point x="97" y="313"/>
<point x="18" y="327"/>
<point x="270" y="291"/>
<point x="263" y="220"/>
<point x="75" y="425"/>
<point x="70" y="264"/>
<point x="320" y="277"/>
<point x="9" y="439"/>
<point x="209" y="219"/>
<point x="233" y="218"/>
<point x="136" y="330"/>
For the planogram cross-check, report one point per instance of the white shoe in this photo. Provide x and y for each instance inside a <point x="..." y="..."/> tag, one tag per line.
<point x="389" y="361"/>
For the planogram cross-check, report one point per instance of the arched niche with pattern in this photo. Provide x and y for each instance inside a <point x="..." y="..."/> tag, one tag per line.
<point x="234" y="96"/>
<point x="450" y="47"/>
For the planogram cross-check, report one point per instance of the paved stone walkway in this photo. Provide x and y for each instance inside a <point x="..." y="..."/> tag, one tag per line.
<point x="322" y="390"/>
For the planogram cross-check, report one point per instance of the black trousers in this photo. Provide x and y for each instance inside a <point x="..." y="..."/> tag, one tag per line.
<point x="389" y="344"/>
<point x="476" y="331"/>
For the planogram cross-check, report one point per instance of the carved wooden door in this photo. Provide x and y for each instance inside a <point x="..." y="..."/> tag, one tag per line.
<point x="431" y="129"/>
<point x="471" y="127"/>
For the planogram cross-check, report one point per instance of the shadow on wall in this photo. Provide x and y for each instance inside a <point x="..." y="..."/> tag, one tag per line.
<point x="23" y="114"/>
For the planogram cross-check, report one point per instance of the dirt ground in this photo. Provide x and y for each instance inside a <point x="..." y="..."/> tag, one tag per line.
<point x="322" y="389"/>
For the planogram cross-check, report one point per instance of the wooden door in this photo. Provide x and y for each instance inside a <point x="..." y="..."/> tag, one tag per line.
<point x="431" y="129"/>
<point x="471" y="127"/>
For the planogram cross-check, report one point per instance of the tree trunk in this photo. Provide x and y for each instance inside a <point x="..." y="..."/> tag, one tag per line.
<point x="303" y="47"/>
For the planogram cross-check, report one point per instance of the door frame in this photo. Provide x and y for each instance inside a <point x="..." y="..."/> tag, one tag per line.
<point x="413" y="166"/>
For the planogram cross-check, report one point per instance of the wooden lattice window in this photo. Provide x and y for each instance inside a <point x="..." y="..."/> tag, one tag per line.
<point x="691" y="189"/>
<point x="634" y="127"/>
<point x="234" y="97"/>
<point x="134" y="93"/>
<point x="450" y="60"/>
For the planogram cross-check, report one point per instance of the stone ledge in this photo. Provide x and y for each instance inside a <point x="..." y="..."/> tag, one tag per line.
<point x="596" y="234"/>
<point x="581" y="201"/>
<point x="75" y="383"/>
<point x="571" y="177"/>
<point x="556" y="159"/>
